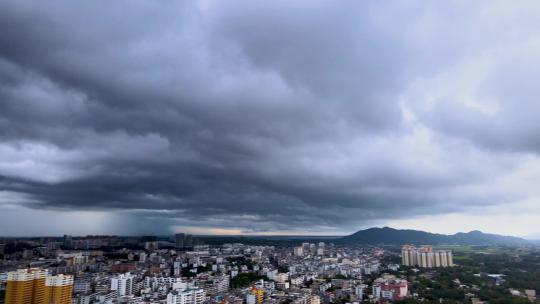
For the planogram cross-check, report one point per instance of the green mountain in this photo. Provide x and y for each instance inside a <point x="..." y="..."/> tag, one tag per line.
<point x="388" y="235"/>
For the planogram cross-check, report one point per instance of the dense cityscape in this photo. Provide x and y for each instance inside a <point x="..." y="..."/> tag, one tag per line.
<point x="182" y="269"/>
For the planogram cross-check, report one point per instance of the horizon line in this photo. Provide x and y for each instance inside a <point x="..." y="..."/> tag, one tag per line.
<point x="529" y="237"/>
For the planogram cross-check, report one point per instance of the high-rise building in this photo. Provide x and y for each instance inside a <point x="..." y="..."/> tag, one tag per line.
<point x="299" y="251"/>
<point x="221" y="283"/>
<point x="183" y="240"/>
<point x="123" y="284"/>
<point x="142" y="257"/>
<point x="26" y="286"/>
<point x="35" y="286"/>
<point x="179" y="240"/>
<point x="59" y="289"/>
<point x="359" y="291"/>
<point x="426" y="257"/>
<point x="188" y="240"/>
<point x="251" y="299"/>
<point x="186" y="296"/>
<point x="258" y="292"/>
<point x="312" y="249"/>
<point x="151" y="246"/>
<point x="68" y="241"/>
<point x="314" y="300"/>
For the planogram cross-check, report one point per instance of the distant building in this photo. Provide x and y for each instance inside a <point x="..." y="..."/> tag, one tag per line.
<point x="531" y="294"/>
<point x="426" y="257"/>
<point x="179" y="240"/>
<point x="299" y="251"/>
<point x="81" y="286"/>
<point x="221" y="283"/>
<point x="359" y="291"/>
<point x="281" y="277"/>
<point x="151" y="246"/>
<point x="312" y="249"/>
<point x="314" y="300"/>
<point x="68" y="241"/>
<point x="257" y="293"/>
<point x="142" y="257"/>
<point x="183" y="240"/>
<point x="188" y="241"/>
<point x="123" y="267"/>
<point x="297" y="280"/>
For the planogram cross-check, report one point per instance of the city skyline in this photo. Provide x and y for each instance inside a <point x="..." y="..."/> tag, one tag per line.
<point x="268" y="117"/>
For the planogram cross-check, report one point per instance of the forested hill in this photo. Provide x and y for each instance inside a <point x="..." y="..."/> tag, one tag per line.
<point x="388" y="235"/>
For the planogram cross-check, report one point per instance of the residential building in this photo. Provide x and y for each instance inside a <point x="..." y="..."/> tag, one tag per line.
<point x="426" y="257"/>
<point x="186" y="296"/>
<point x="123" y="284"/>
<point x="390" y="288"/>
<point x="35" y="286"/>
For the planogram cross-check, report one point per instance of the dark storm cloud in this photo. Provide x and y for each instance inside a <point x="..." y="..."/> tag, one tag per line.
<point x="257" y="116"/>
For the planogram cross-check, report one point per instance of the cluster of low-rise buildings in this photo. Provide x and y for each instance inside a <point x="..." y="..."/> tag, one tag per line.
<point x="390" y="288"/>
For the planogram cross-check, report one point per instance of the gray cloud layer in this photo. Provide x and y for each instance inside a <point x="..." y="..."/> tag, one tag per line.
<point x="266" y="116"/>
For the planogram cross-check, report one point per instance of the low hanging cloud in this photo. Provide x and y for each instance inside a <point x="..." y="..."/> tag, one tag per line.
<point x="264" y="117"/>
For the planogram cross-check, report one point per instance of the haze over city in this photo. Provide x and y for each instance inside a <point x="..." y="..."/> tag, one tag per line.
<point x="269" y="117"/>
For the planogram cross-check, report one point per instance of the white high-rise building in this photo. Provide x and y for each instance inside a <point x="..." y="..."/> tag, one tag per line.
<point x="312" y="249"/>
<point x="142" y="257"/>
<point x="426" y="257"/>
<point x="251" y="299"/>
<point x="314" y="300"/>
<point x="186" y="296"/>
<point x="359" y="291"/>
<point x="123" y="284"/>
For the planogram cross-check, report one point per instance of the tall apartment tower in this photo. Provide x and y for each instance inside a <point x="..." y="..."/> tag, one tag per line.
<point x="26" y="286"/>
<point x="188" y="240"/>
<point x="35" y="286"/>
<point x="426" y="257"/>
<point x="258" y="293"/>
<point x="179" y="240"/>
<point x="59" y="289"/>
<point x="123" y="284"/>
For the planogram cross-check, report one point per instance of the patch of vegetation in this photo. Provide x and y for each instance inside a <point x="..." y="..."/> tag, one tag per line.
<point x="186" y="271"/>
<point x="520" y="269"/>
<point x="283" y="269"/>
<point x="239" y="261"/>
<point x="245" y="279"/>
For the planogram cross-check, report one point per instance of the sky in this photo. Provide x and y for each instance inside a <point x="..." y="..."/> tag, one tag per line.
<point x="269" y="117"/>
